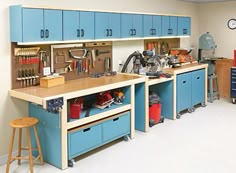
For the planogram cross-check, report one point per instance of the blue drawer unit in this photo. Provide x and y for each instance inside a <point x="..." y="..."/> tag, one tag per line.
<point x="233" y="84"/>
<point x="49" y="131"/>
<point x="184" y="26"/>
<point x="31" y="24"/>
<point x="78" y="25"/>
<point x="198" y="87"/>
<point x="183" y="91"/>
<point x="84" y="140"/>
<point x="117" y="127"/>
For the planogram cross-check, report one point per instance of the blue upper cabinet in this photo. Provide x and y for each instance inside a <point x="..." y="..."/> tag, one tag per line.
<point x="30" y="25"/>
<point x="184" y="26"/>
<point x="131" y="25"/>
<point x="78" y="25"/>
<point x="169" y="26"/>
<point x="151" y="25"/>
<point x="107" y="25"/>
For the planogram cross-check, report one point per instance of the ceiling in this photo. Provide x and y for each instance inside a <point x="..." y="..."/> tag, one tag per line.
<point x="206" y="1"/>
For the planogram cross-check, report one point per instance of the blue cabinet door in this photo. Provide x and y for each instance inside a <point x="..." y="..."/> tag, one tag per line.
<point x="184" y="26"/>
<point x="165" y="30"/>
<point x="78" y="25"/>
<point x="49" y="132"/>
<point x="71" y="27"/>
<point x="147" y="26"/>
<point x="32" y="23"/>
<point x="53" y="25"/>
<point x="183" y="91"/>
<point x="126" y="25"/>
<point x="114" y="25"/>
<point x="173" y="25"/>
<point x="198" y="87"/>
<point x="101" y="25"/>
<point x="137" y="25"/>
<point x="86" y="25"/>
<point x="156" y="22"/>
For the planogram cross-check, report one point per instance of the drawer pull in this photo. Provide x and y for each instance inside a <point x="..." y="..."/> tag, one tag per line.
<point x="115" y="119"/>
<point x="184" y="81"/>
<point x="198" y="77"/>
<point x="85" y="130"/>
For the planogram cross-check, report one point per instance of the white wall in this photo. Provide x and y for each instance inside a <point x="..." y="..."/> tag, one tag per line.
<point x="13" y="108"/>
<point x="213" y="18"/>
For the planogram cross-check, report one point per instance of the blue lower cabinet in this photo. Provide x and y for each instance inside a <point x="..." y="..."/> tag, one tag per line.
<point x="49" y="132"/>
<point x="116" y="127"/>
<point x="83" y="140"/>
<point x="198" y="87"/>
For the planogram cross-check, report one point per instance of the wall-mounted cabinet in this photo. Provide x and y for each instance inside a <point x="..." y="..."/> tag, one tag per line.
<point x="151" y="25"/>
<point x="78" y="25"/>
<point x="131" y="25"/>
<point x="169" y="26"/>
<point x="184" y="26"/>
<point x="107" y="25"/>
<point x="29" y="24"/>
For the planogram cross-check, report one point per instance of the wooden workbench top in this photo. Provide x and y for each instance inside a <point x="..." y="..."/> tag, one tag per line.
<point x="185" y="68"/>
<point x="75" y="88"/>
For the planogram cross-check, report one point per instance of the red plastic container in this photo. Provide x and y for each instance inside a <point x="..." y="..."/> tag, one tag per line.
<point x="155" y="112"/>
<point x="75" y="108"/>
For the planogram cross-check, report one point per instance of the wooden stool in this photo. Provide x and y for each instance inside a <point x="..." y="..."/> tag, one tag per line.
<point x="20" y="123"/>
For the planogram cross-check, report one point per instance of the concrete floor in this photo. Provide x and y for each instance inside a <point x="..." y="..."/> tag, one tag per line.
<point x="200" y="142"/>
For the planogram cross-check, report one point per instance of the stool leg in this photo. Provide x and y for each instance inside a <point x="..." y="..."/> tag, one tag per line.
<point x="211" y="89"/>
<point x="38" y="145"/>
<point x="30" y="150"/>
<point x="218" y="94"/>
<point x="10" y="150"/>
<point x="19" y="145"/>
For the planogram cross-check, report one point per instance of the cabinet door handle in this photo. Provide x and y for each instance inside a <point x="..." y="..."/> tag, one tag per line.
<point x="110" y="32"/>
<point x="46" y="33"/>
<point x="185" y="31"/>
<point x="154" y="32"/>
<point x="198" y="77"/>
<point x="184" y="81"/>
<point x="42" y="33"/>
<point x="131" y="32"/>
<point x="151" y="31"/>
<point x="134" y="31"/>
<point x="169" y="31"/>
<point x="115" y="119"/>
<point x="82" y="32"/>
<point x="85" y="130"/>
<point x="107" y="32"/>
<point x="78" y="33"/>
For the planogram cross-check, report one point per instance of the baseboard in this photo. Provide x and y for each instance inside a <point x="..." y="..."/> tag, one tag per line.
<point x="3" y="159"/>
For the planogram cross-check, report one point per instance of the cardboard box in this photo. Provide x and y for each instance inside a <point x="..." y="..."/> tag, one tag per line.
<point x="51" y="81"/>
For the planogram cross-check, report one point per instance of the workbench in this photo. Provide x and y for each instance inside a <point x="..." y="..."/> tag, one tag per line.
<point x="60" y="135"/>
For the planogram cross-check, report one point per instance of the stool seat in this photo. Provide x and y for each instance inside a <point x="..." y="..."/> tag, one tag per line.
<point x="27" y="123"/>
<point x="24" y="122"/>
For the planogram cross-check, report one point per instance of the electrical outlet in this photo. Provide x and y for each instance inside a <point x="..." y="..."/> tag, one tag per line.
<point x="46" y="71"/>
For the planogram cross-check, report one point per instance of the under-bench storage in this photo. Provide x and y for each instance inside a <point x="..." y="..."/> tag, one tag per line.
<point x="86" y="138"/>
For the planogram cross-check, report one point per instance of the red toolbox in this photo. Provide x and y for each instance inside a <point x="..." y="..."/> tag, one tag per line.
<point x="155" y="112"/>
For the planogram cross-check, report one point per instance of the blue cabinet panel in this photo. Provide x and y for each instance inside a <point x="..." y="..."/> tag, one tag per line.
<point x="116" y="127"/>
<point x="147" y="26"/>
<point x="184" y="26"/>
<point x="114" y="25"/>
<point x="83" y="140"/>
<point x="78" y="25"/>
<point x="169" y="26"/>
<point x="183" y="91"/>
<point x="198" y="87"/>
<point x="33" y="25"/>
<point x="86" y="25"/>
<point x="140" y="107"/>
<point x="173" y="25"/>
<point x="165" y="25"/>
<point x="156" y="25"/>
<point x="53" y="25"/>
<point x="71" y="25"/>
<point x="49" y="134"/>
<point x="138" y="25"/>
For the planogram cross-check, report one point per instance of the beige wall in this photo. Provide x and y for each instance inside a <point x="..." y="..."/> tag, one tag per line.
<point x="213" y="17"/>
<point x="12" y="108"/>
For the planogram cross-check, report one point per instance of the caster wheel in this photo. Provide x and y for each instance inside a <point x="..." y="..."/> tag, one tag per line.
<point x="233" y="101"/>
<point x="161" y="120"/>
<point x="190" y="110"/>
<point x="71" y="163"/>
<point x="151" y="123"/>
<point x="126" y="138"/>
<point x="178" y="116"/>
<point x="203" y="104"/>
